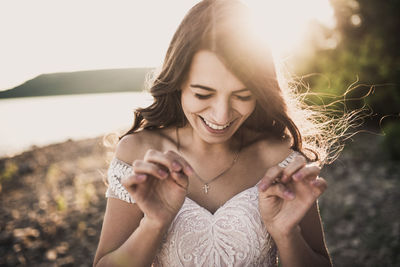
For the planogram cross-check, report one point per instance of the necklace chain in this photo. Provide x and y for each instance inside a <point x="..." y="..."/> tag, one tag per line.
<point x="206" y="185"/>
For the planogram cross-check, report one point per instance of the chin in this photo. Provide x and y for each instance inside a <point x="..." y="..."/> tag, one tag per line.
<point x="214" y="135"/>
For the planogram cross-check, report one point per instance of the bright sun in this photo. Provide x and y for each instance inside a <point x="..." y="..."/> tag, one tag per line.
<point x="286" y="22"/>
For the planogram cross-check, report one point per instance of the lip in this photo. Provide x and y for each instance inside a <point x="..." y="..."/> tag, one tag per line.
<point x="214" y="131"/>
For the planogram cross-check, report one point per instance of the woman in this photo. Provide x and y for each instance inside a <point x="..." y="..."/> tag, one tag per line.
<point x="214" y="172"/>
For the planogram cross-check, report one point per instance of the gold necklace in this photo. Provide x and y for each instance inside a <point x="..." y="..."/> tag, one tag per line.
<point x="206" y="185"/>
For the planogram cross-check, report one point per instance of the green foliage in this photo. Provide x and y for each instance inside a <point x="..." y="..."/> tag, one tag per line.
<point x="368" y="54"/>
<point x="10" y="169"/>
<point x="364" y="67"/>
<point x="61" y="203"/>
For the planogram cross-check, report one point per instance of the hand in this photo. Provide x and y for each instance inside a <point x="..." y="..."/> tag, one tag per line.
<point x="159" y="185"/>
<point x="283" y="204"/>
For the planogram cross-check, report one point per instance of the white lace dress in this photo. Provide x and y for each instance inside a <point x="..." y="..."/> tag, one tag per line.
<point x="233" y="236"/>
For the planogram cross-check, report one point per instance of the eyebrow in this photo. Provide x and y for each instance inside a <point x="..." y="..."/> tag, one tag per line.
<point x="213" y="90"/>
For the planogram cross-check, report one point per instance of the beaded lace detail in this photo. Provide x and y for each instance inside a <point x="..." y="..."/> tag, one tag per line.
<point x="117" y="171"/>
<point x="233" y="236"/>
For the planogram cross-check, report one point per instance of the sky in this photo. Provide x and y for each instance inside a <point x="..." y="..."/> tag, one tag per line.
<point x="46" y="36"/>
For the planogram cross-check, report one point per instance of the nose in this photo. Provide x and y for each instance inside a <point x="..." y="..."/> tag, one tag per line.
<point x="221" y="111"/>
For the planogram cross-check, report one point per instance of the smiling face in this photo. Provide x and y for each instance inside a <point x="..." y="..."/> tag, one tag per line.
<point x="214" y="101"/>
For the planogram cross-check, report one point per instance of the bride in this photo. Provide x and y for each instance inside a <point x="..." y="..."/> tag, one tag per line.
<point x="214" y="172"/>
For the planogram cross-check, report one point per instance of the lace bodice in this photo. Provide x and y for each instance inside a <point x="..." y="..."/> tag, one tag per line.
<point x="233" y="236"/>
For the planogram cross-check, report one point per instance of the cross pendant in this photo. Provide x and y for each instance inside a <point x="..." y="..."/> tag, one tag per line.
<point x="206" y="187"/>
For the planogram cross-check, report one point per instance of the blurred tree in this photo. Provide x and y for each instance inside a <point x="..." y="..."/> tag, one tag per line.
<point x="362" y="52"/>
<point x="364" y="46"/>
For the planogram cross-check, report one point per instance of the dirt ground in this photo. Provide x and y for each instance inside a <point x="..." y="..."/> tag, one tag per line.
<point x="52" y="205"/>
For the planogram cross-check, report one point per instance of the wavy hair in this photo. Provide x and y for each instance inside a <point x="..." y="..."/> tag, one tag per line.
<point x="224" y="27"/>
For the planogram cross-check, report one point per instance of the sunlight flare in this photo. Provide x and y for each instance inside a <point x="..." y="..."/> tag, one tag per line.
<point x="284" y="24"/>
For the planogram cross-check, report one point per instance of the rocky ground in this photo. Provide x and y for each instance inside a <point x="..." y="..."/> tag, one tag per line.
<point x="360" y="208"/>
<point x="52" y="205"/>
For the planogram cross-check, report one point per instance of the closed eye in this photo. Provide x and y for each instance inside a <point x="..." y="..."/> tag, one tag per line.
<point x="200" y="96"/>
<point x="244" y="98"/>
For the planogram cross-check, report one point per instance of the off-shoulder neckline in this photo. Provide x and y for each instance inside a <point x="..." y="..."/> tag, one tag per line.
<point x="121" y="162"/>
<point x="115" y="159"/>
<point x="129" y="165"/>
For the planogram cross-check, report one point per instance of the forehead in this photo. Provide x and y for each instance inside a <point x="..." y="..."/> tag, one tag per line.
<point x="207" y="69"/>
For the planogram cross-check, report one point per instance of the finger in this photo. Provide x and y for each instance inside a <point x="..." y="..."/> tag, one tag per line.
<point x="278" y="190"/>
<point x="185" y="167"/>
<point x="166" y="160"/>
<point x="144" y="167"/>
<point x="133" y="180"/>
<point x="298" y="162"/>
<point x="306" y="173"/>
<point x="270" y="176"/>
<point x="319" y="185"/>
<point x="181" y="179"/>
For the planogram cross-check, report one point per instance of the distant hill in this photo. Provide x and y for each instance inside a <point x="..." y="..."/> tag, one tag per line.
<point x="81" y="82"/>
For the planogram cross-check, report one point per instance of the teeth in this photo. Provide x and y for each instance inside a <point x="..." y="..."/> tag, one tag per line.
<point x="214" y="126"/>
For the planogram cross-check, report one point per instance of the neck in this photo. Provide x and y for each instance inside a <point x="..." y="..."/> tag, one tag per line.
<point x="188" y="140"/>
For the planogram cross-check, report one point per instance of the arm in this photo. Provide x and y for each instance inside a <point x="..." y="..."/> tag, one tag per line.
<point x="127" y="238"/>
<point x="305" y="246"/>
<point x="290" y="213"/>
<point x="132" y="233"/>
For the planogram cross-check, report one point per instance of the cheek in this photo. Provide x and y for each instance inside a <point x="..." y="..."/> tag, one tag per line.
<point x="246" y="109"/>
<point x="190" y="104"/>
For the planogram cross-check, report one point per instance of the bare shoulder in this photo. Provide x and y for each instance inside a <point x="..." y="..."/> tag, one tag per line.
<point x="273" y="150"/>
<point x="279" y="149"/>
<point x="134" y="146"/>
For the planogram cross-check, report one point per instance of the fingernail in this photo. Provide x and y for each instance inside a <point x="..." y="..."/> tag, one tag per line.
<point x="289" y="194"/>
<point x="297" y="176"/>
<point x="163" y="173"/>
<point x="140" y="177"/>
<point x="315" y="182"/>
<point x="176" y="166"/>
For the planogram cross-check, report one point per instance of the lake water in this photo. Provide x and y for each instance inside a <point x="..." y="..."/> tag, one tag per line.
<point x="44" y="120"/>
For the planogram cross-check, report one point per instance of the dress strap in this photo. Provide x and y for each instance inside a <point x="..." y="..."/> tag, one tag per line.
<point x="288" y="159"/>
<point x="116" y="172"/>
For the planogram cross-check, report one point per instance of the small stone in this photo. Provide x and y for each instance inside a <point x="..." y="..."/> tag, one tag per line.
<point x="17" y="247"/>
<point x="15" y="214"/>
<point x="65" y="261"/>
<point x="21" y="259"/>
<point x="51" y="254"/>
<point x="24" y="232"/>
<point x="91" y="231"/>
<point x="62" y="248"/>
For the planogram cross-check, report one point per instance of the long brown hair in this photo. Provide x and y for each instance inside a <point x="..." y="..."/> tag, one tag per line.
<point x="221" y="26"/>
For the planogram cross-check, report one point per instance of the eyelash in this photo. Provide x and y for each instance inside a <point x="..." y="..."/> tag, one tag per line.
<point x="244" y="98"/>
<point x="199" y="96"/>
<point x="203" y="97"/>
